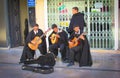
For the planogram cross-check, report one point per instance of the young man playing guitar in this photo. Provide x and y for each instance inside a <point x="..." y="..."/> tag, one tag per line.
<point x="58" y="39"/>
<point x="75" y="44"/>
<point x="28" y="53"/>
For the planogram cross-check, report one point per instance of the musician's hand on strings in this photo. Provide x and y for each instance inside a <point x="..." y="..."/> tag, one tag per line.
<point x="32" y="42"/>
<point x="70" y="42"/>
<point x="51" y="37"/>
<point x="57" y="36"/>
<point x="82" y="37"/>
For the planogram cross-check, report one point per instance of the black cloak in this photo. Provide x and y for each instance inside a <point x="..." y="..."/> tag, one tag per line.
<point x="85" y="58"/>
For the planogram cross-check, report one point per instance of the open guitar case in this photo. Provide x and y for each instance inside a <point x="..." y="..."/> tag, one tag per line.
<point x="43" y="64"/>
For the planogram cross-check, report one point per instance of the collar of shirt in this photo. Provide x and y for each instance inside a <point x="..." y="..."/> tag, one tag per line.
<point x="35" y="32"/>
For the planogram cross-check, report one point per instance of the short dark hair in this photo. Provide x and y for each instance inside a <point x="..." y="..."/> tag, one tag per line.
<point x="75" y="8"/>
<point x="54" y="26"/>
<point x="76" y="26"/>
<point x="36" y="25"/>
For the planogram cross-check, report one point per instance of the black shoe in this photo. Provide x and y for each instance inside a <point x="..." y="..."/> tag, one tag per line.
<point x="70" y="64"/>
<point x="65" y="61"/>
<point x="21" y="62"/>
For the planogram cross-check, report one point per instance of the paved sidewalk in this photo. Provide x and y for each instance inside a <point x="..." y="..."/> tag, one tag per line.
<point x="106" y="64"/>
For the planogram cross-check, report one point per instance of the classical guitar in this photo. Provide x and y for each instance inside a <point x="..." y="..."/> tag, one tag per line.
<point x="37" y="40"/>
<point x="75" y="41"/>
<point x="54" y="38"/>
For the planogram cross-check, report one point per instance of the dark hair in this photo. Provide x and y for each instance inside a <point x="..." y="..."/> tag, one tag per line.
<point x="36" y="25"/>
<point x="76" y="26"/>
<point x="54" y="26"/>
<point x="75" y="8"/>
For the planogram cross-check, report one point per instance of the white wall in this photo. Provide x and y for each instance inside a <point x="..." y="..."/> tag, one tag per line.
<point x="119" y="30"/>
<point x="40" y="14"/>
<point x="116" y="13"/>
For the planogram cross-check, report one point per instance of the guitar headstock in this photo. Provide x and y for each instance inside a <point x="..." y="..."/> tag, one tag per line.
<point x="47" y="30"/>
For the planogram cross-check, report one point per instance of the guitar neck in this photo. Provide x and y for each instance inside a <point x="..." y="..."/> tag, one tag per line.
<point x="78" y="38"/>
<point x="42" y="35"/>
<point x="80" y="35"/>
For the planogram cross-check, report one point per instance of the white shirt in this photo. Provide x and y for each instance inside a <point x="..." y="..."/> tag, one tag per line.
<point x="35" y="32"/>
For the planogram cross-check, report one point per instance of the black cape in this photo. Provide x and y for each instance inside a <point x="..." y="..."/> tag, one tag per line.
<point x="85" y="59"/>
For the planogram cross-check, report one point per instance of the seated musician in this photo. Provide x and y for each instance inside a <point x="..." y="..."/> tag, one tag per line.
<point x="75" y="45"/>
<point x="58" y="39"/>
<point x="28" y="53"/>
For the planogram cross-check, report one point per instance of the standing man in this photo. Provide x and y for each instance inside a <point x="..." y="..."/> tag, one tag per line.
<point x="77" y="19"/>
<point x="28" y="53"/>
<point x="58" y="39"/>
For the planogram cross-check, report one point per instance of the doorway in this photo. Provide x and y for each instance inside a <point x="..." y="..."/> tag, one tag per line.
<point x="14" y="23"/>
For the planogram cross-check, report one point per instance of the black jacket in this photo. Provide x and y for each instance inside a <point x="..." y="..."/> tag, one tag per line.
<point x="32" y="35"/>
<point x="77" y="19"/>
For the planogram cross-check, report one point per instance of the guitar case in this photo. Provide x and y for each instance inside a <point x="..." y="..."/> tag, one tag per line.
<point x="37" y="69"/>
<point x="43" y="64"/>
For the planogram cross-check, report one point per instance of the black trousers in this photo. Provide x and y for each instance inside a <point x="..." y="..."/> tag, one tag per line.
<point x="54" y="48"/>
<point x="29" y="54"/>
<point x="75" y="52"/>
<point x="42" y="48"/>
